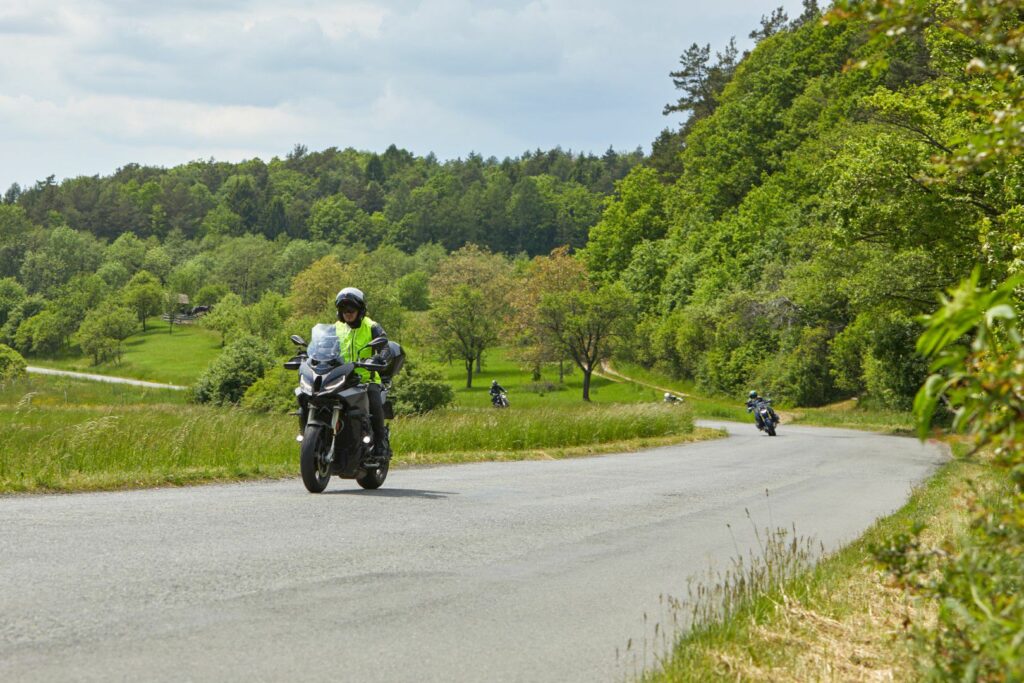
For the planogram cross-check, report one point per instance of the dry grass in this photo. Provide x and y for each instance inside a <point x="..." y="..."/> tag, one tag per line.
<point x="830" y="642"/>
<point x="841" y="621"/>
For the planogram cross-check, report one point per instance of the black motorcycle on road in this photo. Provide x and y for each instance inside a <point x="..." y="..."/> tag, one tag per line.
<point x="764" y="416"/>
<point x="336" y="434"/>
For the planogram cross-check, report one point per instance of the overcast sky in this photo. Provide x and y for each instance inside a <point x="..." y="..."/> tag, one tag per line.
<point x="90" y="85"/>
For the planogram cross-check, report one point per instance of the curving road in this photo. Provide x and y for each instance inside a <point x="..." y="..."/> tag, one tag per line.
<point x="520" y="571"/>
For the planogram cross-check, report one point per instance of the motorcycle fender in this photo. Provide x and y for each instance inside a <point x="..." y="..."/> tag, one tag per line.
<point x="321" y="416"/>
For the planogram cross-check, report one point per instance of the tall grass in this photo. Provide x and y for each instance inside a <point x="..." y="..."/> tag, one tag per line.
<point x="46" y="444"/>
<point x="52" y="390"/>
<point x="82" y="447"/>
<point x="535" y="428"/>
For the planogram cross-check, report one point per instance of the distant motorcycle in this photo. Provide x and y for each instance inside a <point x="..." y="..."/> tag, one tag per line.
<point x="334" y="411"/>
<point x="764" y="416"/>
<point x="499" y="400"/>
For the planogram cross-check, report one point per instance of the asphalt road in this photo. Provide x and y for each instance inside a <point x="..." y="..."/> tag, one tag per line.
<point x="523" y="571"/>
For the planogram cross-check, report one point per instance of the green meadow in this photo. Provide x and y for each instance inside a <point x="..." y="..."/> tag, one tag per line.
<point x="154" y="355"/>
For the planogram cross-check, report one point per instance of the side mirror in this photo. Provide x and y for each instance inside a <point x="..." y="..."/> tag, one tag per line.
<point x="298" y="341"/>
<point x="291" y="365"/>
<point x="376" y="343"/>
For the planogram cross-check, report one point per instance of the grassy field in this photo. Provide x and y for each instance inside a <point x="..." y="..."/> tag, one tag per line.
<point x="48" y="391"/>
<point x="61" y="435"/>
<point x="840" y="620"/>
<point x="153" y="355"/>
<point x="523" y="392"/>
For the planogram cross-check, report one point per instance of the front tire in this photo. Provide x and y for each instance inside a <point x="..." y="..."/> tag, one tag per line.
<point x="315" y="444"/>
<point x="771" y="429"/>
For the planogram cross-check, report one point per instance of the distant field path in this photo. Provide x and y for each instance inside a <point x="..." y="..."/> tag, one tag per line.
<point x="608" y="371"/>
<point x="104" y="378"/>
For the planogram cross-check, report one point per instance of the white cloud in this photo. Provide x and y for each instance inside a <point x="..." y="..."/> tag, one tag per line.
<point x="92" y="84"/>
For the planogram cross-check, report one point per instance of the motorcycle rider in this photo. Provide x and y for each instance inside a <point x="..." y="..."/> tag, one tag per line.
<point x="752" y="402"/>
<point x="356" y="330"/>
<point x="496" y="390"/>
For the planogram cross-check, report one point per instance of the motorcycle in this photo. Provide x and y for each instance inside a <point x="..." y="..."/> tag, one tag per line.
<point x="500" y="400"/>
<point x="765" y="417"/>
<point x="336" y="435"/>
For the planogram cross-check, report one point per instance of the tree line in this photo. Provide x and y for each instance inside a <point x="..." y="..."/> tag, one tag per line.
<point x="790" y="233"/>
<point x="531" y="203"/>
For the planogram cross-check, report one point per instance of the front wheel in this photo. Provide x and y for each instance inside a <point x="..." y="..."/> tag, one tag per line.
<point x="771" y="429"/>
<point x="316" y="471"/>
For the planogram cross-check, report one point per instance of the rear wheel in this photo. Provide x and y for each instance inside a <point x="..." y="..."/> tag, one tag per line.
<point x="375" y="477"/>
<point x="316" y="472"/>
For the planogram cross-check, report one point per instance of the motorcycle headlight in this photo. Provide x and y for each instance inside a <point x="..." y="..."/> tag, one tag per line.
<point x="335" y="385"/>
<point x="305" y="385"/>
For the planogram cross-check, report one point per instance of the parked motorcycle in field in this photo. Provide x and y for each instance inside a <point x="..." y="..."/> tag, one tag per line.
<point x="336" y="434"/>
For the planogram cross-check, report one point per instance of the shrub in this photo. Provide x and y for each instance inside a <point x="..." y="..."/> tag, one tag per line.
<point x="232" y="372"/>
<point x="272" y="393"/>
<point x="976" y="344"/>
<point x="12" y="365"/>
<point x="893" y="371"/>
<point x="420" y="388"/>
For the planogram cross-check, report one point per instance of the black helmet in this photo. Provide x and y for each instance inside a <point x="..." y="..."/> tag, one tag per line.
<point x="752" y="394"/>
<point x="352" y="297"/>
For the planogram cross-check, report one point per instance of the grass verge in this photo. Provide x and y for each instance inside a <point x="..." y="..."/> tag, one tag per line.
<point x="840" y="620"/>
<point x="59" y="435"/>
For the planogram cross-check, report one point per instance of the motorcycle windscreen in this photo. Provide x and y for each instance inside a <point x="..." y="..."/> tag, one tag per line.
<point x="324" y="345"/>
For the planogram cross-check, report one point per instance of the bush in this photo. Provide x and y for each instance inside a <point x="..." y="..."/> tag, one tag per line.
<point x="226" y="379"/>
<point x="12" y="365"/>
<point x="420" y="388"/>
<point x="272" y="393"/>
<point x="800" y="376"/>
<point x="893" y="371"/>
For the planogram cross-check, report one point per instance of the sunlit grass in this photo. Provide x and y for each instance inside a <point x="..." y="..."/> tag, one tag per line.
<point x="536" y="427"/>
<point x="153" y="355"/>
<point x="523" y="391"/>
<point x="61" y="435"/>
<point x="50" y="390"/>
